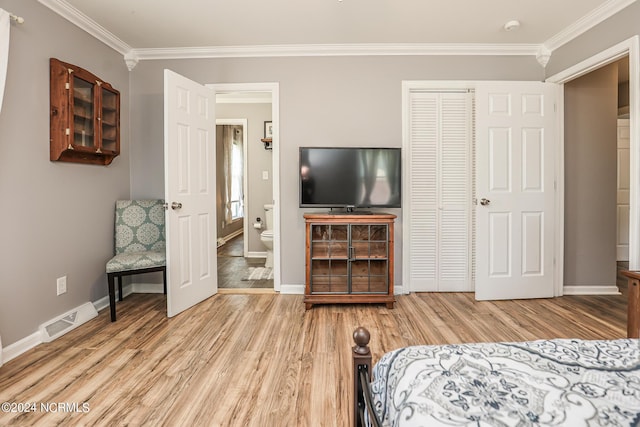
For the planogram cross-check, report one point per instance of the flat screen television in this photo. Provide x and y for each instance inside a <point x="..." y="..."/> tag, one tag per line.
<point x="350" y="177"/>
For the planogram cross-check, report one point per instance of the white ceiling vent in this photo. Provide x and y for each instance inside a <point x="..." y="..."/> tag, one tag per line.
<point x="65" y="322"/>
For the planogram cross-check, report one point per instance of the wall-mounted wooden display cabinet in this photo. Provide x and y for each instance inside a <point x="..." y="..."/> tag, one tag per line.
<point x="349" y="259"/>
<point x="84" y="116"/>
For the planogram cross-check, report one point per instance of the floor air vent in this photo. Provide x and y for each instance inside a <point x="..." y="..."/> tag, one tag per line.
<point x="67" y="321"/>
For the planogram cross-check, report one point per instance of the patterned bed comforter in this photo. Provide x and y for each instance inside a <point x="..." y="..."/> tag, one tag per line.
<point x="562" y="382"/>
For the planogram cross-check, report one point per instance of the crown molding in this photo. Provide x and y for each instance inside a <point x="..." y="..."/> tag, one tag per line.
<point x="132" y="56"/>
<point x="380" y="49"/>
<point x="584" y="24"/>
<point x="82" y="21"/>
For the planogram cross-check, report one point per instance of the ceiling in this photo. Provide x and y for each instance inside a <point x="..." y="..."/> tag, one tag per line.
<point x="143" y="27"/>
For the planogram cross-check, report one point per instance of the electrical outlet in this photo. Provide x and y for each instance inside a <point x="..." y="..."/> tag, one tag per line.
<point x="265" y="175"/>
<point x="61" y="285"/>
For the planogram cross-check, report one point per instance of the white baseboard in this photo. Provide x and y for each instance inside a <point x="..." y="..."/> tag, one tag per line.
<point x="292" y="289"/>
<point x="590" y="290"/>
<point x="14" y="350"/>
<point x="146" y="288"/>
<point x="399" y="290"/>
<point x="256" y="255"/>
<point x="225" y="239"/>
<point x="103" y="302"/>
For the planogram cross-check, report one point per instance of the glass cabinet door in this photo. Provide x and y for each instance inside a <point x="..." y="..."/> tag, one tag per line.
<point x="109" y="120"/>
<point x="369" y="262"/>
<point x="83" y="107"/>
<point x="329" y="258"/>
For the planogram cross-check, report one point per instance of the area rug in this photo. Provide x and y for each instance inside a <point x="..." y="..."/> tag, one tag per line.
<point x="258" y="273"/>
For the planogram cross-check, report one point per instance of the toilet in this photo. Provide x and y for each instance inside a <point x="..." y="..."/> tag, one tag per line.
<point x="267" y="235"/>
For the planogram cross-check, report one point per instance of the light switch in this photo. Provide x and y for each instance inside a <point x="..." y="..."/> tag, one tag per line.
<point x="265" y="175"/>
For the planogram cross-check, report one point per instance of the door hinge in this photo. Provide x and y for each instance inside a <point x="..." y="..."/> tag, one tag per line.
<point x="66" y="86"/>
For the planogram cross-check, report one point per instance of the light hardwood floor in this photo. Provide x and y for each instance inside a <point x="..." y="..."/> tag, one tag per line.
<point x="261" y="360"/>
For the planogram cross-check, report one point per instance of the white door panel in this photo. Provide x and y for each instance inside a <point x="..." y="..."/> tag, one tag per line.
<point x="189" y="192"/>
<point x="515" y="175"/>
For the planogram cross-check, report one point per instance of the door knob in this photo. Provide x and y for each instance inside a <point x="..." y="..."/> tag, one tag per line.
<point x="176" y="205"/>
<point x="484" y="202"/>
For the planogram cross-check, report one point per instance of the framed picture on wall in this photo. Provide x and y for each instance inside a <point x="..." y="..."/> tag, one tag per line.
<point x="268" y="130"/>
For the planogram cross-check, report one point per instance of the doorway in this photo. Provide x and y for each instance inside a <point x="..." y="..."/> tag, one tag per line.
<point x="241" y="252"/>
<point x="627" y="50"/>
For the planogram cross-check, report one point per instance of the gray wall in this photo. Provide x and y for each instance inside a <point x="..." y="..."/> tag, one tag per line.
<point x="591" y="109"/>
<point x="259" y="191"/>
<point x="56" y="218"/>
<point x="324" y="101"/>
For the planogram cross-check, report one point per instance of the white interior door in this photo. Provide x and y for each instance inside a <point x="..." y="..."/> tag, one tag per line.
<point x="189" y="153"/>
<point x="623" y="182"/>
<point x="515" y="180"/>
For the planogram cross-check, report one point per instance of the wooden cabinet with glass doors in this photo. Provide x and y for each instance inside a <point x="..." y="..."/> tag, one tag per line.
<point x="84" y="116"/>
<point x="349" y="259"/>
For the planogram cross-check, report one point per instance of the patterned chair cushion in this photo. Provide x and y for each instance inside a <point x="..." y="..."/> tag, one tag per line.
<point x="139" y="226"/>
<point x="139" y="235"/>
<point x="136" y="261"/>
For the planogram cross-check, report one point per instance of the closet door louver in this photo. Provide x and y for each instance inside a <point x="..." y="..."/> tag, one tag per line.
<point x="440" y="191"/>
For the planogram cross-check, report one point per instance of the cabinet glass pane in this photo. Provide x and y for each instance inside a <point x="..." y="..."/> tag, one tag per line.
<point x="83" y="106"/>
<point x="379" y="232"/>
<point x="359" y="268"/>
<point x="360" y="232"/>
<point x="320" y="268"/>
<point x="378" y="284"/>
<point x="329" y="284"/>
<point x="329" y="232"/>
<point x="329" y="276"/>
<point x="378" y="267"/>
<point x="320" y="284"/>
<point x="339" y="232"/>
<point x="338" y="249"/>
<point x="339" y="268"/>
<point x="320" y="250"/>
<point x="378" y="250"/>
<point x="361" y="249"/>
<point x="319" y="232"/>
<point x="360" y="284"/>
<point x="109" y="120"/>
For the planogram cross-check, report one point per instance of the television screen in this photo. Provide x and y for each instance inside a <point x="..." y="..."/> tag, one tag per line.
<point x="350" y="177"/>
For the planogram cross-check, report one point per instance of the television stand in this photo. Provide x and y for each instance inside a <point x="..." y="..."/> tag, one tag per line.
<point x="349" y="259"/>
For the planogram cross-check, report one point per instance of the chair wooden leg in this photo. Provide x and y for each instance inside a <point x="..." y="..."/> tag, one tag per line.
<point x="120" y="297"/>
<point x="112" y="296"/>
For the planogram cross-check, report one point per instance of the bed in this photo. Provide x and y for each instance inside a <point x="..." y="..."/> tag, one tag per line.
<point x="558" y="382"/>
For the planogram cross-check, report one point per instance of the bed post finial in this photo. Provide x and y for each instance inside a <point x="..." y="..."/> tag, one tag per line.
<point x="361" y="355"/>
<point x="361" y="337"/>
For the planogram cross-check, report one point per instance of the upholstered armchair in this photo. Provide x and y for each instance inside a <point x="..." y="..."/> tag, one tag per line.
<point x="139" y="244"/>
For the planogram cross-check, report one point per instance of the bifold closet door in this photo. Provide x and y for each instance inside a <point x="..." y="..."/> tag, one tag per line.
<point x="439" y="184"/>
